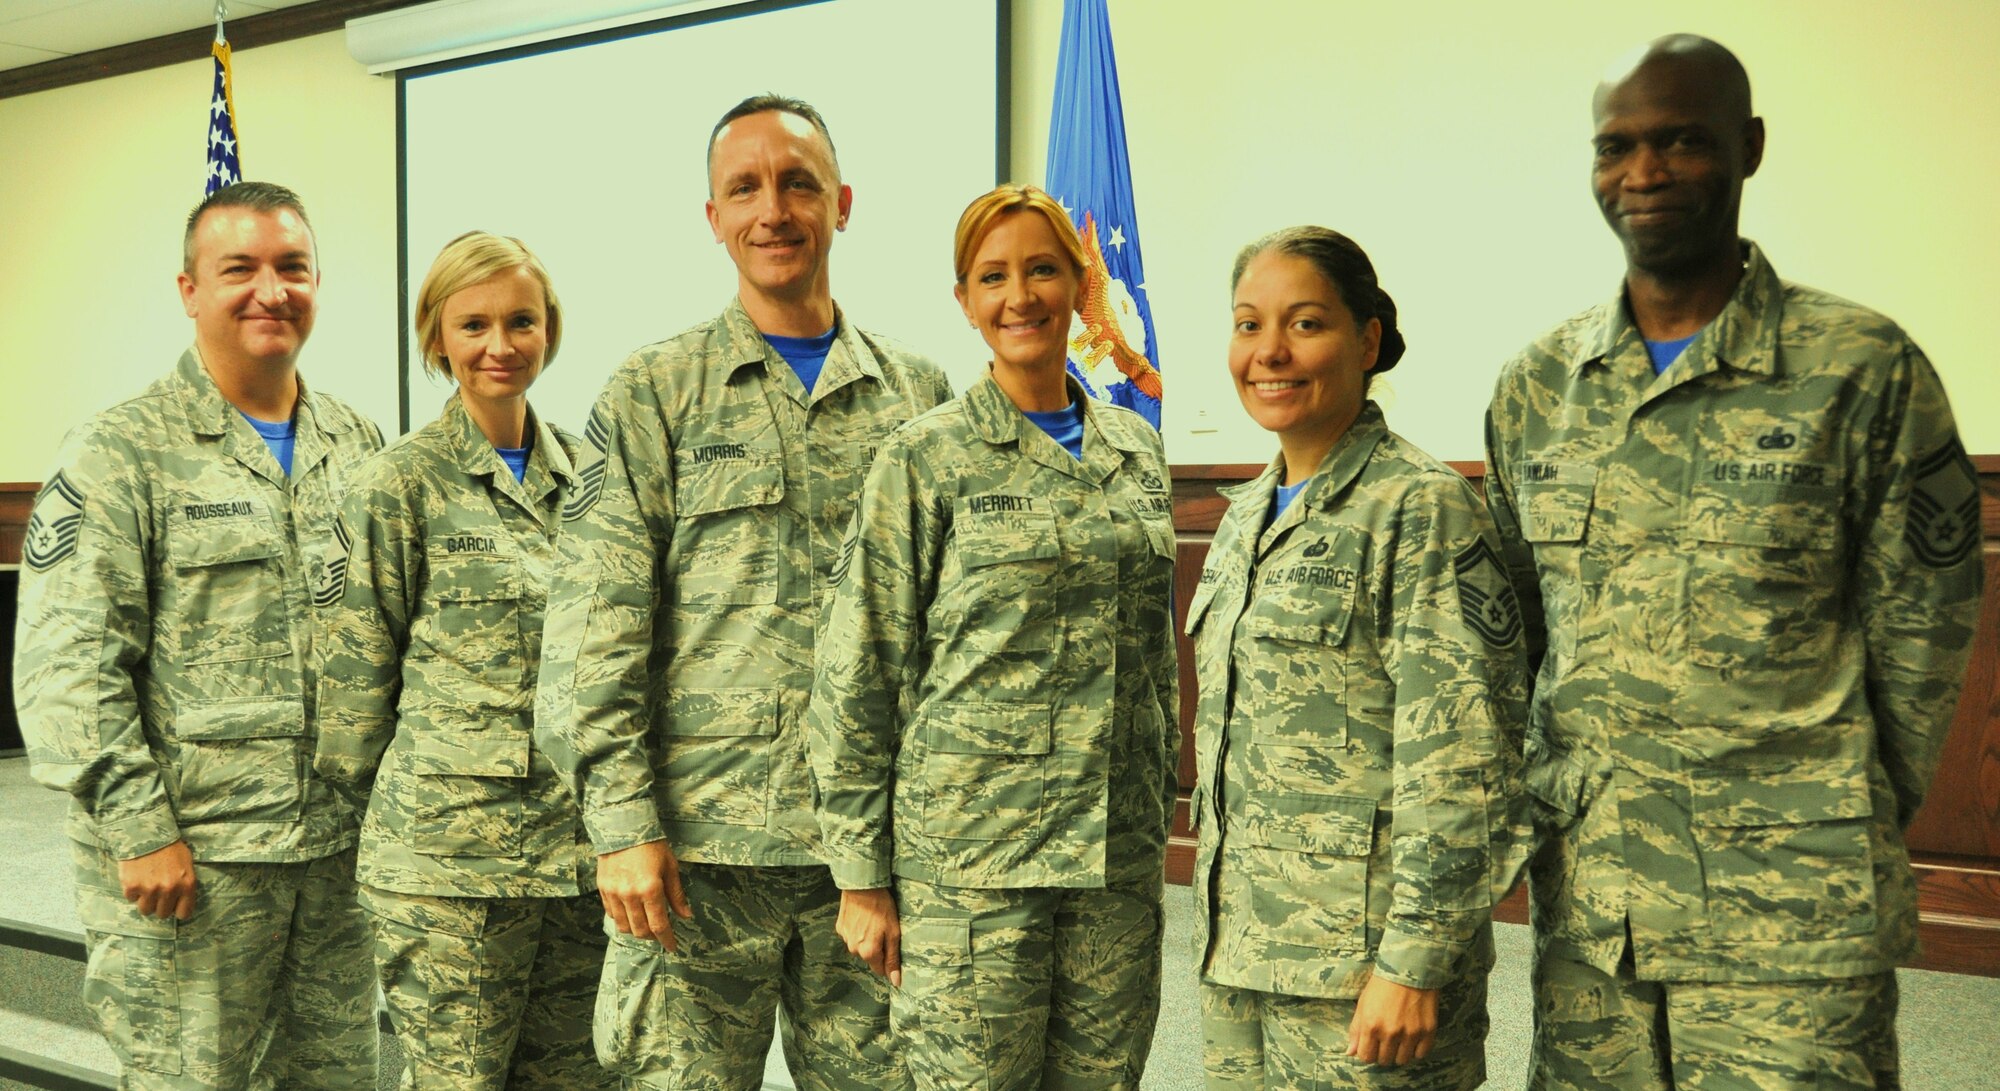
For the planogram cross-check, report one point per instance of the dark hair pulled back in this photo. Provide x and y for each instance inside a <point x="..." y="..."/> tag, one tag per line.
<point x="1345" y="266"/>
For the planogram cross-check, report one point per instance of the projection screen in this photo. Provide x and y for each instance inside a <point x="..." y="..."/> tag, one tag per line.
<point x="591" y="152"/>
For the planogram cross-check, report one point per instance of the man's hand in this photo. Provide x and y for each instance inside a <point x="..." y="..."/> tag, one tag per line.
<point x="873" y="931"/>
<point x="160" y="883"/>
<point x="1393" y="1024"/>
<point x="637" y="885"/>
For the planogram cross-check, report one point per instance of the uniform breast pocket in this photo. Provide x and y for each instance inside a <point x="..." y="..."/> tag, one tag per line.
<point x="1785" y="851"/>
<point x="469" y="779"/>
<point x="1293" y="681"/>
<point x="1555" y="512"/>
<point x="726" y="533"/>
<point x="1763" y="577"/>
<point x="228" y="587"/>
<point x="1305" y="860"/>
<point x="983" y="771"/>
<point x="1008" y="568"/>
<point x="476" y="626"/>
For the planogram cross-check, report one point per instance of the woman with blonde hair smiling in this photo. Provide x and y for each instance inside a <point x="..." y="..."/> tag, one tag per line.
<point x="993" y="712"/>
<point x="474" y="869"/>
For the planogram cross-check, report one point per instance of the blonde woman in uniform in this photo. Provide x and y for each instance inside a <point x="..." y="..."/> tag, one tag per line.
<point x="1359" y="656"/>
<point x="474" y="870"/>
<point x="993" y="712"/>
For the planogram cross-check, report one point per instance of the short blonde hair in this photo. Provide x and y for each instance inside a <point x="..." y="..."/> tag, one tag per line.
<point x="977" y="221"/>
<point x="470" y="259"/>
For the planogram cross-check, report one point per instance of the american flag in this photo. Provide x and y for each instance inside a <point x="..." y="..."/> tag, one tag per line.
<point x="224" y="168"/>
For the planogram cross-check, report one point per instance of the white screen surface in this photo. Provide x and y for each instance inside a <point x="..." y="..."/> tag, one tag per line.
<point x="594" y="157"/>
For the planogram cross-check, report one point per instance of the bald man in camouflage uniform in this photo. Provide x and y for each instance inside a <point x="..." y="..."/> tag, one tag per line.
<point x="164" y="675"/>
<point x="1757" y="562"/>
<point x="679" y="649"/>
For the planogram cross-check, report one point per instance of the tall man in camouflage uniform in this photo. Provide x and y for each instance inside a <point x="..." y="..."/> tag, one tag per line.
<point x="717" y="487"/>
<point x="1758" y="565"/>
<point x="165" y="682"/>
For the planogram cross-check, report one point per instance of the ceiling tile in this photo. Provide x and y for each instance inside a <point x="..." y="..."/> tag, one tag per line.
<point x="85" y="25"/>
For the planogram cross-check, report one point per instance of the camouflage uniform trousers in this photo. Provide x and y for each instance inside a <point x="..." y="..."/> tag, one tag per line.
<point x="488" y="993"/>
<point x="1254" y="1040"/>
<point x="265" y="986"/>
<point x="1008" y="990"/>
<point x="1601" y="1032"/>
<point x="761" y="938"/>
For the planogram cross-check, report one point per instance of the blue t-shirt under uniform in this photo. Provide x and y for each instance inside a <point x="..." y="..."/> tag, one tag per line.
<point x="1282" y="497"/>
<point x="516" y="458"/>
<point x="1664" y="353"/>
<point x="278" y="436"/>
<point x="1065" y="426"/>
<point x="807" y="355"/>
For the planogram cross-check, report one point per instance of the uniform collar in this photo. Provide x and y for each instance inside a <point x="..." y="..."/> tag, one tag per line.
<point x="1337" y="470"/>
<point x="548" y="463"/>
<point x="997" y="420"/>
<point x="743" y="344"/>
<point x="1743" y="337"/>
<point x="211" y="414"/>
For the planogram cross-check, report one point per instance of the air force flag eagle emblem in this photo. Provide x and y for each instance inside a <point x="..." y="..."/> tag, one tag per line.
<point x="1485" y="597"/>
<point x="52" y="529"/>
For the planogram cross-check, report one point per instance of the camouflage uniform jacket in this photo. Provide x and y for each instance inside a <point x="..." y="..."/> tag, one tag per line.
<point x="430" y="656"/>
<point x="996" y="695"/>
<point x="696" y="559"/>
<point x="164" y="643"/>
<point x="1359" y="728"/>
<point x="1758" y="573"/>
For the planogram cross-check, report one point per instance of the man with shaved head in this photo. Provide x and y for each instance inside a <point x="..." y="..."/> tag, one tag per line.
<point x="1742" y="507"/>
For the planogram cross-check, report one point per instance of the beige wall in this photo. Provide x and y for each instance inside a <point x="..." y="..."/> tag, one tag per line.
<point x="1449" y="137"/>
<point x="95" y="183"/>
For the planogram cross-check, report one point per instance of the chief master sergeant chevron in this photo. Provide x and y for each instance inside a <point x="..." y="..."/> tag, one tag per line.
<point x="1741" y="508"/>
<point x="678" y="653"/>
<point x="164" y="679"/>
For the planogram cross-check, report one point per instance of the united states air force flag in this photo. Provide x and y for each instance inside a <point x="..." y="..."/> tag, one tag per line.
<point x="224" y="168"/>
<point x="1111" y="347"/>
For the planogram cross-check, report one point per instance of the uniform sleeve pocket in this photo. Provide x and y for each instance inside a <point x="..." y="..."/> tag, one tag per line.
<point x="983" y="768"/>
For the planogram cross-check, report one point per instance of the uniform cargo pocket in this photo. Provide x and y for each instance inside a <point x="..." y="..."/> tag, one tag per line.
<point x="1305" y="861"/>
<point x="983" y="768"/>
<point x="469" y="797"/>
<point x="130" y="981"/>
<point x="1785" y="853"/>
<point x="238" y="759"/>
<point x="1294" y="682"/>
<point x="726" y="534"/>
<point x="718" y="755"/>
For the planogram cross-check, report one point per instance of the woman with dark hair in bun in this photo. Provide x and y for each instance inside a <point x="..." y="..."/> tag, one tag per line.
<point x="1360" y="722"/>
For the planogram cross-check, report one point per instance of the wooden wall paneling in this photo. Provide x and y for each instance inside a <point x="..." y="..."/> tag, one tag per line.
<point x="16" y="497"/>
